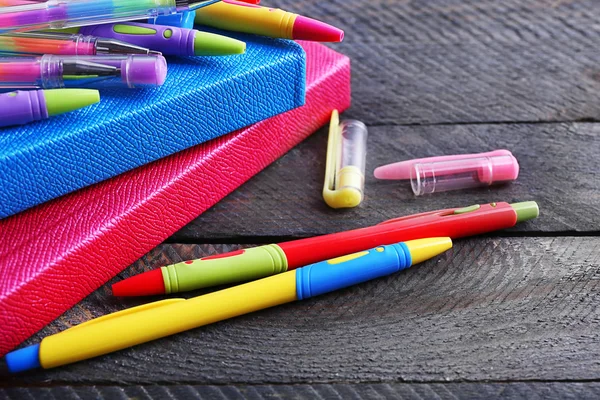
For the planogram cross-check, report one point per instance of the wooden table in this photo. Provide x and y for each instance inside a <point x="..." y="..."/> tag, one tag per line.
<point x="512" y="314"/>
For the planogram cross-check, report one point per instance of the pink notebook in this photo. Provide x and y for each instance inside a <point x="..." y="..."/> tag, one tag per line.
<point x="55" y="254"/>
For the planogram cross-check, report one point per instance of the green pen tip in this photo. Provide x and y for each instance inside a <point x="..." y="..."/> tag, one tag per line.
<point x="211" y="44"/>
<point x="526" y="210"/>
<point x="59" y="101"/>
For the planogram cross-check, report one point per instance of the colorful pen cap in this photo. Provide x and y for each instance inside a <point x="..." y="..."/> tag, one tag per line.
<point x="345" y="165"/>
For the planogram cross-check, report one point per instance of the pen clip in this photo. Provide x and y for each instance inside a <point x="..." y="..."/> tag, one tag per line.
<point x="344" y="173"/>
<point x="332" y="158"/>
<point x="132" y="310"/>
<point x="440" y="213"/>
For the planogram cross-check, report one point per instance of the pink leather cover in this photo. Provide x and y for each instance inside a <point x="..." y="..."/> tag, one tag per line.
<point x="55" y="254"/>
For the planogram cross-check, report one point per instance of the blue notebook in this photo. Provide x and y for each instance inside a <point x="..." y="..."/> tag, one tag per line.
<point x="202" y="98"/>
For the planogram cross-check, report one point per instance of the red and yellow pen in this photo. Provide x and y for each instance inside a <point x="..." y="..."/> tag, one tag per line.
<point x="258" y="262"/>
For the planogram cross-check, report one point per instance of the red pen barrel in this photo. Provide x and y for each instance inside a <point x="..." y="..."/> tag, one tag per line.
<point x="455" y="223"/>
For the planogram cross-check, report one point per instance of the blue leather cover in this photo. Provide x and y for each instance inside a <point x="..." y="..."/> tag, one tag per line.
<point x="202" y="98"/>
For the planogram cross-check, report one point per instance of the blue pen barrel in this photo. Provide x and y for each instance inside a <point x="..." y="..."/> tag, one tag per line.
<point x="341" y="272"/>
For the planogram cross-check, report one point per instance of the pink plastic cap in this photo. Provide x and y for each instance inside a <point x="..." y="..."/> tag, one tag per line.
<point x="462" y="173"/>
<point x="401" y="170"/>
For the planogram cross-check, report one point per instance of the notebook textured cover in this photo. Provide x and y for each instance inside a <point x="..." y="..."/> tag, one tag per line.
<point x="202" y="98"/>
<point x="53" y="255"/>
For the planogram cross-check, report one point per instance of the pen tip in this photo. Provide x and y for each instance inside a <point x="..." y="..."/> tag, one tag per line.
<point x="59" y="101"/>
<point x="145" y="284"/>
<point x="395" y="171"/>
<point x="379" y="173"/>
<point x="211" y="44"/>
<point x="311" y="29"/>
<point x="424" y="249"/>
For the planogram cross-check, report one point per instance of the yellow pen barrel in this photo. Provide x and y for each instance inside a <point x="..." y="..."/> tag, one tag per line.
<point x="152" y="321"/>
<point x="248" y="18"/>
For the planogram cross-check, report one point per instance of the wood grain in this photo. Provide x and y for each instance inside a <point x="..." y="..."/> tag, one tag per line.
<point x="342" y="391"/>
<point x="441" y="61"/>
<point x="559" y="169"/>
<point x="494" y="309"/>
<point x="476" y="75"/>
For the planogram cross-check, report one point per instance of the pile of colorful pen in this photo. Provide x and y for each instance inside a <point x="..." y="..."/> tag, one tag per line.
<point x="77" y="45"/>
<point x="275" y="274"/>
<point x="119" y="53"/>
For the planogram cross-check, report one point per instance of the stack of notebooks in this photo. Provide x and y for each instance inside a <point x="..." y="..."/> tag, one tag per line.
<point x="85" y="194"/>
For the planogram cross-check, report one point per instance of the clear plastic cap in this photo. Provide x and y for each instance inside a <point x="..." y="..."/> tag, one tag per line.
<point x="443" y="176"/>
<point x="345" y="169"/>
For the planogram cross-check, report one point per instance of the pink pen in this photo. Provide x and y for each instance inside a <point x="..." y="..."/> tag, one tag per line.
<point x="401" y="170"/>
<point x="445" y="173"/>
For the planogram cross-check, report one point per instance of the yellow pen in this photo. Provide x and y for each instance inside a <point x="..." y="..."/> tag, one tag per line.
<point x="163" y="318"/>
<point x="238" y="16"/>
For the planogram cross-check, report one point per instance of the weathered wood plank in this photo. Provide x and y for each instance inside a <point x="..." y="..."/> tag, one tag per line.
<point x="493" y="309"/>
<point x="429" y="62"/>
<point x="342" y="391"/>
<point x="497" y="309"/>
<point x="559" y="169"/>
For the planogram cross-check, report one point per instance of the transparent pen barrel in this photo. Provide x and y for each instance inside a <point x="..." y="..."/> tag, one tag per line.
<point x="47" y="43"/>
<point x="50" y="71"/>
<point x="65" y="13"/>
<point x="20" y="72"/>
<point x="465" y="173"/>
<point x="351" y="160"/>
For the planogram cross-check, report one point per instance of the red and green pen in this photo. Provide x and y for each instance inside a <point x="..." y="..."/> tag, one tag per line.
<point x="258" y="262"/>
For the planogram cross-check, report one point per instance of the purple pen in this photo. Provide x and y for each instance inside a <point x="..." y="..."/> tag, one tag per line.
<point x="51" y="71"/>
<point x="22" y="107"/>
<point x="168" y="40"/>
